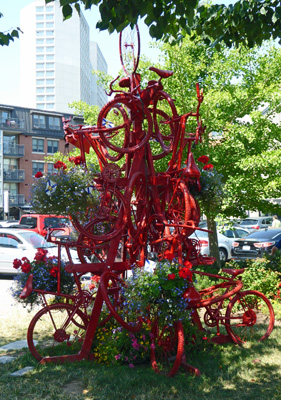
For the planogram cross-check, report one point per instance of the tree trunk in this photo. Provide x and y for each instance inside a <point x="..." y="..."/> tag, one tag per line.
<point x="213" y="241"/>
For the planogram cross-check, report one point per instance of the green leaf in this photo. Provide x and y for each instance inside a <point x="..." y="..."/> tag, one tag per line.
<point x="67" y="11"/>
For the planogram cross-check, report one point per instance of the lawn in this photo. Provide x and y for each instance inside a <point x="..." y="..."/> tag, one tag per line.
<point x="227" y="372"/>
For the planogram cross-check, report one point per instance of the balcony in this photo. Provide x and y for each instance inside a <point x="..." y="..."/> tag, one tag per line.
<point x="16" y="200"/>
<point x="13" y="151"/>
<point x="16" y="175"/>
<point x="11" y="124"/>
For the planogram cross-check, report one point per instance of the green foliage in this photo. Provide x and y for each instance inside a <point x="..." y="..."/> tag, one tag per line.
<point x="259" y="275"/>
<point x="160" y="294"/>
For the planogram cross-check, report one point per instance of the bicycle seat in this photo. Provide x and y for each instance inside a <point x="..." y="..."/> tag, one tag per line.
<point x="124" y="82"/>
<point x="233" y="272"/>
<point x="161" y="73"/>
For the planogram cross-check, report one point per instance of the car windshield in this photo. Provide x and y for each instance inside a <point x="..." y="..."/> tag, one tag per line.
<point x="36" y="240"/>
<point x="249" y="222"/>
<point x="56" y="222"/>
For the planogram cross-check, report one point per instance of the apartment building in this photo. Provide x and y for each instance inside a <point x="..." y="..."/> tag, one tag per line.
<point x="27" y="136"/>
<point x="57" y="59"/>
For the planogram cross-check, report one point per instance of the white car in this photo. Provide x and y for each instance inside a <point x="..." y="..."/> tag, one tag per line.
<point x="225" y="240"/>
<point x="19" y="243"/>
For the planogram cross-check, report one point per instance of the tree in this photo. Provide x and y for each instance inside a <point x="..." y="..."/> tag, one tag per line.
<point x="241" y="97"/>
<point x="7" y="37"/>
<point x="247" y="21"/>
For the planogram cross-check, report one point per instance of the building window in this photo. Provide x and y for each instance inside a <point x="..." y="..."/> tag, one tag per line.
<point x="50" y="65"/>
<point x="40" y="74"/>
<point x="49" y="24"/>
<point x="40" y="98"/>
<point x="39" y="49"/>
<point x="37" y="145"/>
<point x="50" y="41"/>
<point x="50" y="106"/>
<point x="49" y="33"/>
<point x="49" y="17"/>
<point x="37" y="167"/>
<point x="40" y="106"/>
<point x="51" y="169"/>
<point x="40" y="17"/>
<point x="50" y="97"/>
<point x="50" y="49"/>
<point x="54" y="123"/>
<point x="39" y="33"/>
<point x="50" y="73"/>
<point x="39" y="121"/>
<point x="50" y="89"/>
<point x="50" y="57"/>
<point x="40" y="25"/>
<point x="40" y="90"/>
<point x="39" y="57"/>
<point x="53" y="146"/>
<point x="39" y="41"/>
<point x="40" y="81"/>
<point x="40" y="65"/>
<point x="39" y="9"/>
<point x="50" y="81"/>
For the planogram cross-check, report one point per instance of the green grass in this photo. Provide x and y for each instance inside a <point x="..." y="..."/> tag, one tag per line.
<point x="227" y="372"/>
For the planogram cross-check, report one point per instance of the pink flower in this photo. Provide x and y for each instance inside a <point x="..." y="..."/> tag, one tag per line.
<point x="208" y="167"/>
<point x="171" y="276"/>
<point x="203" y="159"/>
<point x="38" y="174"/>
<point x="131" y="366"/>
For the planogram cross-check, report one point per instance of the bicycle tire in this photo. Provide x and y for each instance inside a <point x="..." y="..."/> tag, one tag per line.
<point x="139" y="114"/>
<point x="166" y="352"/>
<point x="62" y="339"/>
<point x="129" y="49"/>
<point x="244" y="320"/>
<point x="115" y="288"/>
<point x="105" y="228"/>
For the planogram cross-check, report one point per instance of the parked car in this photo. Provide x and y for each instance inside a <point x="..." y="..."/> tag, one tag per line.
<point x="18" y="243"/>
<point x="9" y="223"/>
<point x="40" y="222"/>
<point x="225" y="239"/>
<point x="255" y="244"/>
<point x="253" y="224"/>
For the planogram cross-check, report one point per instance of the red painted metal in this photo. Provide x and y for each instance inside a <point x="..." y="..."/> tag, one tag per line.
<point x="140" y="208"/>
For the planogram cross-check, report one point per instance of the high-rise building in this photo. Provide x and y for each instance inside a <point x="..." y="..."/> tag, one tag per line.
<point x="57" y="59"/>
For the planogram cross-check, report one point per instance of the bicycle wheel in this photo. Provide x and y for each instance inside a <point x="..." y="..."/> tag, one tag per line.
<point x="130" y="135"/>
<point x="111" y="288"/>
<point x="109" y="220"/>
<point x="115" y="115"/>
<point x="56" y="330"/>
<point x="129" y="49"/>
<point x="136" y="213"/>
<point x="166" y="121"/>
<point x="167" y="348"/>
<point x="249" y="317"/>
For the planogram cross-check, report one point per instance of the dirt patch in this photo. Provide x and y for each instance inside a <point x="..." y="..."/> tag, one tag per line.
<point x="73" y="389"/>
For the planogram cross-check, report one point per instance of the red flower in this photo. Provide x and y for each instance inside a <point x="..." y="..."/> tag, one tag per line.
<point x="171" y="276"/>
<point x="25" y="259"/>
<point x="208" y="167"/>
<point x="187" y="264"/>
<point x="203" y="159"/>
<point x="16" y="263"/>
<point x="185" y="273"/>
<point x="59" y="164"/>
<point x="78" y="160"/>
<point x="40" y="255"/>
<point x="38" y="174"/>
<point x="26" y="267"/>
<point x="54" y="271"/>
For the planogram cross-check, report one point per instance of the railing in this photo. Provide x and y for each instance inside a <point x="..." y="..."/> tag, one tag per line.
<point x="13" y="151"/>
<point x="11" y="123"/>
<point x="16" y="175"/>
<point x="16" y="200"/>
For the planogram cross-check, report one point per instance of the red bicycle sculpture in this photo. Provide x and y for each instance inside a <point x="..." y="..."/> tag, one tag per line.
<point x="139" y="209"/>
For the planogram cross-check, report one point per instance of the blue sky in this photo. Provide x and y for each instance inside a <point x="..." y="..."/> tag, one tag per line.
<point x="9" y="55"/>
